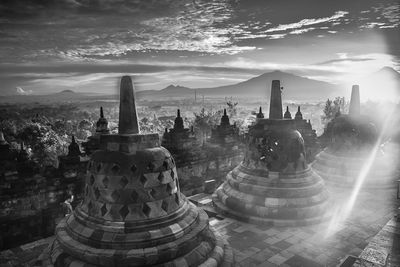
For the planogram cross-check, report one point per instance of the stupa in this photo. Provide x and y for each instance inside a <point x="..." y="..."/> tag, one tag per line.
<point x="93" y="142"/>
<point x="182" y="142"/>
<point x="350" y="141"/>
<point x="273" y="185"/>
<point x="224" y="133"/>
<point x="133" y="213"/>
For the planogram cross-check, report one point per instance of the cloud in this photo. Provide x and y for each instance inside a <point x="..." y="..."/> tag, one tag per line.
<point x="308" y="22"/>
<point x="341" y="60"/>
<point x="20" y="91"/>
<point x="301" y="31"/>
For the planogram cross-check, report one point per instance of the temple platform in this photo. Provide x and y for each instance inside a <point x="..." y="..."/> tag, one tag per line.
<point x="342" y="169"/>
<point x="255" y="245"/>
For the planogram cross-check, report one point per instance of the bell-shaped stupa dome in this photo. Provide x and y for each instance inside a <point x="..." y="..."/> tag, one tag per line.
<point x="350" y="139"/>
<point x="274" y="185"/>
<point x="133" y="213"/>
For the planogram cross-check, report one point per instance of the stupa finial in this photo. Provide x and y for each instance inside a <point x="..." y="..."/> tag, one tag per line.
<point x="101" y="112"/>
<point x="260" y="115"/>
<point x="354" y="109"/>
<point x="275" y="108"/>
<point x="128" y="121"/>
<point x="287" y="114"/>
<point x="299" y="115"/>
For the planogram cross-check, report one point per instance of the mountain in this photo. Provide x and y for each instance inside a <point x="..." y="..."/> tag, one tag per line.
<point x="294" y="87"/>
<point x="169" y="91"/>
<point x="381" y="85"/>
<point x="63" y="96"/>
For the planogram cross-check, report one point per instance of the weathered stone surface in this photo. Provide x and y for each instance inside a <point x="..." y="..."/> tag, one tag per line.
<point x="128" y="122"/>
<point x="354" y="109"/>
<point x="353" y="151"/>
<point x="274" y="184"/>
<point x="343" y="169"/>
<point x="275" y="108"/>
<point x="133" y="213"/>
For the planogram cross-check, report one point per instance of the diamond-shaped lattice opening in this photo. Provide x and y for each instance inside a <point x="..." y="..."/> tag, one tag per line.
<point x="115" y="195"/>
<point x="161" y="177"/>
<point x="172" y="174"/>
<point x="151" y="166"/>
<point x="143" y="179"/>
<point x="97" y="193"/>
<point x="146" y="209"/>
<point x="177" y="198"/>
<point x="124" y="211"/>
<point x="98" y="167"/>
<point x="91" y="179"/>
<point x="133" y="168"/>
<point x="134" y="196"/>
<point x="123" y="182"/>
<point x="164" y="206"/>
<point x="115" y="169"/>
<point x="103" y="209"/>
<point x="169" y="189"/>
<point x="105" y="182"/>
<point x="165" y="164"/>
<point x="90" y="208"/>
<point x="153" y="193"/>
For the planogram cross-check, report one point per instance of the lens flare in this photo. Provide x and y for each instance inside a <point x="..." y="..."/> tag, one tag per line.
<point x="342" y="212"/>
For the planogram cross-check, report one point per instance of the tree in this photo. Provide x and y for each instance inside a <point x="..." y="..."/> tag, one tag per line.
<point x="232" y="108"/>
<point x="44" y="142"/>
<point x="332" y="108"/>
<point x="205" y="121"/>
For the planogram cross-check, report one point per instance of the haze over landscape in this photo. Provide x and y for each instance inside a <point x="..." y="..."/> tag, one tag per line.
<point x="200" y="133"/>
<point x="223" y="46"/>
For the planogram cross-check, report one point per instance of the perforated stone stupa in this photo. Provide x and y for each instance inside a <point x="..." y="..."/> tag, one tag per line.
<point x="133" y="213"/>
<point x="351" y="139"/>
<point x="274" y="184"/>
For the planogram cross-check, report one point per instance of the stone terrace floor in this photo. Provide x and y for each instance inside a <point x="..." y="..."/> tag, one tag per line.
<point x="310" y="246"/>
<point x="271" y="246"/>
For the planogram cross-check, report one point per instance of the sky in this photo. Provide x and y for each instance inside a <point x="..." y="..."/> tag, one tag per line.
<point x="85" y="45"/>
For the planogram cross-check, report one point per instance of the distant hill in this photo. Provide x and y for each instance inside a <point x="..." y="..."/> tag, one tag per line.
<point x="294" y="87"/>
<point x="66" y="92"/>
<point x="63" y="96"/>
<point x="383" y="84"/>
<point x="169" y="91"/>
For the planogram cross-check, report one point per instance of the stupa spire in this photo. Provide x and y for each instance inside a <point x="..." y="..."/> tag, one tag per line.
<point x="101" y="112"/>
<point x="299" y="115"/>
<point x="287" y="113"/>
<point x="225" y="119"/>
<point x="128" y="121"/>
<point x="275" y="108"/>
<point x="354" y="109"/>
<point x="260" y="115"/>
<point x="178" y="123"/>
